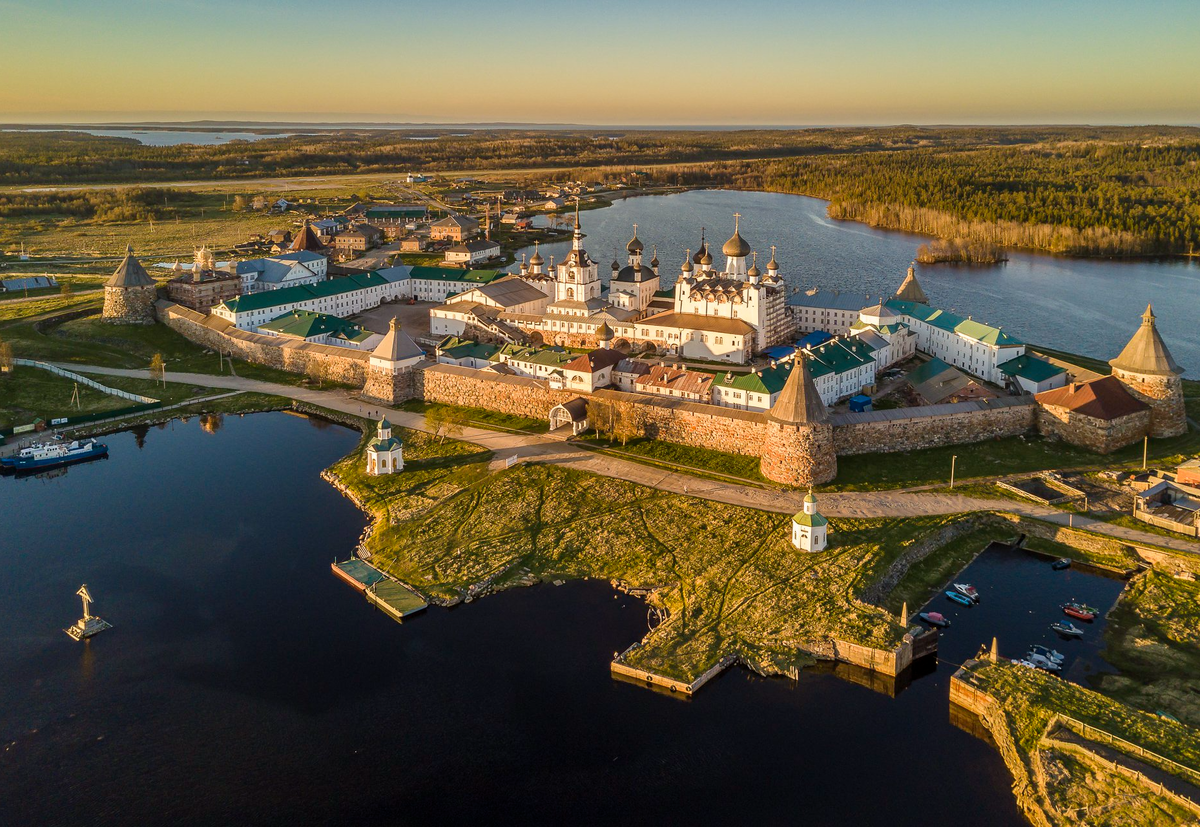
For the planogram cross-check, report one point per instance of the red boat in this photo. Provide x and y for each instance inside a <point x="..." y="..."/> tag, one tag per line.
<point x="1078" y="612"/>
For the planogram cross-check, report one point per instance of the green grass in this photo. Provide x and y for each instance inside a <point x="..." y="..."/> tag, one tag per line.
<point x="1031" y="698"/>
<point x="1000" y="457"/>
<point x="1153" y="637"/>
<point x="481" y="417"/>
<point x="683" y="457"/>
<point x="29" y="393"/>
<point x="34" y="334"/>
<point x="728" y="576"/>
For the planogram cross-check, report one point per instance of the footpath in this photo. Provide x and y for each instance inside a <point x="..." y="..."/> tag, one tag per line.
<point x="851" y="504"/>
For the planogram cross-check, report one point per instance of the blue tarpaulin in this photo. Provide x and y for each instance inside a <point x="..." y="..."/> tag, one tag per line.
<point x="779" y="352"/>
<point x="860" y="403"/>
<point x="814" y="339"/>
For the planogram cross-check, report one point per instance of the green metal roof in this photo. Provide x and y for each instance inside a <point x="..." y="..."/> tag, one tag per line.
<point x="1031" y="368"/>
<point x="464" y="348"/>
<point x="303" y="292"/>
<point x="985" y="333"/>
<point x="923" y="373"/>
<point x="305" y="324"/>
<point x="812" y="520"/>
<point x="768" y="380"/>
<point x="839" y="356"/>
<point x="456" y="274"/>
<point x="944" y="320"/>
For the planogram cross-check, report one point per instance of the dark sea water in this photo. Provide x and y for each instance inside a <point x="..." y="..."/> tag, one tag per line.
<point x="1084" y="306"/>
<point x="244" y="684"/>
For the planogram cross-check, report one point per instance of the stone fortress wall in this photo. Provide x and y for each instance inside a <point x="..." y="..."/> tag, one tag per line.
<point x="336" y="364"/>
<point x="789" y="458"/>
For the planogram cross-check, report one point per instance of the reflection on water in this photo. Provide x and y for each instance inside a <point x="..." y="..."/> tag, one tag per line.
<point x="1084" y="306"/>
<point x="243" y="683"/>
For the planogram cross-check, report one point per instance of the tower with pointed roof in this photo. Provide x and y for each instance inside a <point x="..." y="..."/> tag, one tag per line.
<point x="910" y="289"/>
<point x="810" y="531"/>
<point x="391" y="372"/>
<point x="798" y="448"/>
<point x="1147" y="369"/>
<point x="129" y="293"/>
<point x="577" y="278"/>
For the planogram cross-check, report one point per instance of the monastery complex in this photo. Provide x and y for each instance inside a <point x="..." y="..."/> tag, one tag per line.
<point x="714" y="355"/>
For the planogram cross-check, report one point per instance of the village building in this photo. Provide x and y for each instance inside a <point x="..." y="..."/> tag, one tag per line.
<point x="203" y="286"/>
<point x="321" y="329"/>
<point x="328" y="228"/>
<point x="1030" y="374"/>
<point x="413" y="244"/>
<point x="394" y="219"/>
<point x="385" y="453"/>
<point x="307" y="241"/>
<point x="830" y="311"/>
<point x="454" y="228"/>
<point x="472" y="252"/>
<point x="342" y="296"/>
<point x="936" y="383"/>
<point x="1169" y="505"/>
<point x="626" y="373"/>
<point x="667" y="380"/>
<point x="283" y="270"/>
<point x="356" y="241"/>
<point x="1188" y="472"/>
<point x="23" y="283"/>
<point x="1100" y="415"/>
<point x="436" y="284"/>
<point x="129" y="294"/>
<point x="810" y="531"/>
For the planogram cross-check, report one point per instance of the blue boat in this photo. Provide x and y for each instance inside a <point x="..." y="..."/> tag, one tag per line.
<point x="53" y="455"/>
<point x="960" y="598"/>
<point x="1060" y="564"/>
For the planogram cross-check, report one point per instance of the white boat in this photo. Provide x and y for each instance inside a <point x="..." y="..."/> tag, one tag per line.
<point x="1047" y="652"/>
<point x="1043" y="663"/>
<point x="967" y="590"/>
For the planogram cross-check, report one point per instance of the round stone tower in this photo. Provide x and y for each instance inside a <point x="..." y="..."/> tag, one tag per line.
<point x="1146" y="368"/>
<point x="391" y="378"/>
<point x="129" y="294"/>
<point x="798" y="449"/>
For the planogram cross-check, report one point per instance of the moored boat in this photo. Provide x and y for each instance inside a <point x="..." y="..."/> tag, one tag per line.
<point x="967" y="590"/>
<point x="934" y="619"/>
<point x="1060" y="564"/>
<point x="1045" y="664"/>
<point x="1066" y="629"/>
<point x="53" y="455"/>
<point x="1046" y="652"/>
<point x="960" y="598"/>
<point x="1079" y="612"/>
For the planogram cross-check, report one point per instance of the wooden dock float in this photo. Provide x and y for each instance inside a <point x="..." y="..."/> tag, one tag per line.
<point x="395" y="599"/>
<point x="358" y="574"/>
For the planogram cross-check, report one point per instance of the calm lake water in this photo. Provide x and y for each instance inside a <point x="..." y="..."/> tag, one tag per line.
<point x="169" y="137"/>
<point x="243" y="683"/>
<point x="1084" y="306"/>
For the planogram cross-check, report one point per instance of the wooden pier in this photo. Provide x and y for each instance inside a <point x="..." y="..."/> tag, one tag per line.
<point x="392" y="597"/>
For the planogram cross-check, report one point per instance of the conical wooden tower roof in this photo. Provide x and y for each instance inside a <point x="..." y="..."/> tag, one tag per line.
<point x="910" y="289"/>
<point x="798" y="402"/>
<point x="1146" y="352"/>
<point x="306" y="239"/>
<point x="396" y="345"/>
<point x="130" y="273"/>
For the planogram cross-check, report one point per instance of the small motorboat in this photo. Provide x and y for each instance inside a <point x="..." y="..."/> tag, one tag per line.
<point x="1060" y="564"/>
<point x="1079" y="611"/>
<point x="967" y="590"/>
<point x="1042" y="663"/>
<point x="1067" y="629"/>
<point x="934" y="619"/>
<point x="1046" y="652"/>
<point x="960" y="598"/>
<point x="1025" y="663"/>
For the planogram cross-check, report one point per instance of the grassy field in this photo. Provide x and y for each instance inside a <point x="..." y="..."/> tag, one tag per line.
<point x="1153" y="637"/>
<point x="727" y="577"/>
<point x="481" y="417"/>
<point x="1031" y="698"/>
<point x="682" y="457"/>
<point x="29" y="393"/>
<point x="89" y="341"/>
<point x="1012" y="455"/>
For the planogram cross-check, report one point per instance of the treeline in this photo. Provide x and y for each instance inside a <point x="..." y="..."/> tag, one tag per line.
<point x="138" y="204"/>
<point x="77" y="157"/>
<point x="1077" y="198"/>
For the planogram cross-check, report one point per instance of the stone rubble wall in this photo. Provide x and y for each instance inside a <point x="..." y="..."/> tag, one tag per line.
<point x="1164" y="395"/>
<point x="1099" y="435"/>
<point x="335" y="364"/>
<point x="129" y="305"/>
<point x="967" y="424"/>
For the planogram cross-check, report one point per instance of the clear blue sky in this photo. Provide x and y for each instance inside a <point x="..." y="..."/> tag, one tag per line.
<point x="623" y="62"/>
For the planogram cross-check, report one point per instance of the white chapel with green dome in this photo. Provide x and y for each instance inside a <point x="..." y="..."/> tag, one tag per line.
<point x="809" y="529"/>
<point x="385" y="453"/>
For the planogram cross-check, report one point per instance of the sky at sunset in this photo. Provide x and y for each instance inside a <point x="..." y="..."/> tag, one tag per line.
<point x="628" y="63"/>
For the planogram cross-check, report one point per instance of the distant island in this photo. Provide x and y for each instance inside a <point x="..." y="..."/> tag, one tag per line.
<point x="960" y="251"/>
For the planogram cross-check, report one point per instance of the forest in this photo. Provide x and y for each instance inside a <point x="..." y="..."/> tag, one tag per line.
<point x="1092" y="191"/>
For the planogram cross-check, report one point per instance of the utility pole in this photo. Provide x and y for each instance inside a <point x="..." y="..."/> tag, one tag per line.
<point x="953" y="461"/>
<point x="1145" y="450"/>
